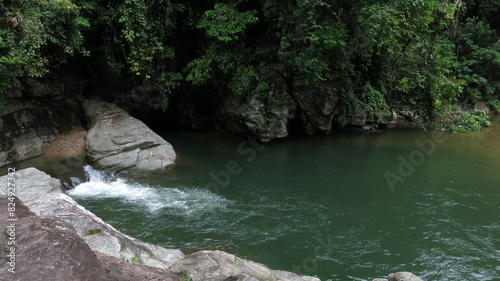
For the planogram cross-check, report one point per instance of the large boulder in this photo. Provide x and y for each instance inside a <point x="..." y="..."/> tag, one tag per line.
<point x="389" y="119"/>
<point x="21" y="211"/>
<point x="43" y="195"/>
<point x="116" y="141"/>
<point x="255" y="115"/>
<point x="254" y="118"/>
<point x="221" y="266"/>
<point x="317" y="106"/>
<point x="46" y="249"/>
<point x="262" y="114"/>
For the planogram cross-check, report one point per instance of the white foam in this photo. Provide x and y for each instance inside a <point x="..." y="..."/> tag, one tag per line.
<point x="178" y="199"/>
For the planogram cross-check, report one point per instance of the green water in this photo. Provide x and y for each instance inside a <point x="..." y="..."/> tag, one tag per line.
<point x="322" y="206"/>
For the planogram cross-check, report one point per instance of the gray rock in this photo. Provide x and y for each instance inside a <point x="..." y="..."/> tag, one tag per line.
<point x="37" y="89"/>
<point x="386" y="118"/>
<point x="368" y="127"/>
<point x="126" y="270"/>
<point x="220" y="266"/>
<point x="316" y="104"/>
<point x="403" y="276"/>
<point x="256" y="116"/>
<point x="101" y="236"/>
<point x="116" y="141"/>
<point x="357" y="118"/>
<point x="48" y="249"/>
<point x="21" y="211"/>
<point x="482" y="105"/>
<point x="30" y="184"/>
<point x="408" y="118"/>
<point x="28" y="127"/>
<point x="380" y="279"/>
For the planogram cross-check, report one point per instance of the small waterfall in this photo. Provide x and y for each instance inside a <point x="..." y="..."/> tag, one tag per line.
<point x="180" y="199"/>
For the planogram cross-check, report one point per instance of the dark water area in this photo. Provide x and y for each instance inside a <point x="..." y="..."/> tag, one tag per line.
<point x="349" y="206"/>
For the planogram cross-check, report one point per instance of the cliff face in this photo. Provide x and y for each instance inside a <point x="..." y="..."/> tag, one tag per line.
<point x="287" y="106"/>
<point x="31" y="119"/>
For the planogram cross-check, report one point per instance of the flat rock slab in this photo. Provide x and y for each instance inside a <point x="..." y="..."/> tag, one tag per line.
<point x="126" y="270"/>
<point x="403" y="276"/>
<point x="30" y="184"/>
<point x="221" y="266"/>
<point x="400" y="276"/>
<point x="116" y="141"/>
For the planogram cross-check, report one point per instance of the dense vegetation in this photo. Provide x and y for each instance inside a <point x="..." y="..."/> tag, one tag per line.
<point x="422" y="55"/>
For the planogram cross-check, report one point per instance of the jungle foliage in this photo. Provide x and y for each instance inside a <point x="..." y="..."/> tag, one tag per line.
<point x="420" y="55"/>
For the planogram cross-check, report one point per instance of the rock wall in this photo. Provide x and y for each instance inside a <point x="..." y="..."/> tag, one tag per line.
<point x="27" y="127"/>
<point x="262" y="115"/>
<point x="32" y="118"/>
<point x="317" y="106"/>
<point x="254" y="118"/>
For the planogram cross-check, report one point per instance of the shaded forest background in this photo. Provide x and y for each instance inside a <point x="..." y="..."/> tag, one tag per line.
<point x="428" y="57"/>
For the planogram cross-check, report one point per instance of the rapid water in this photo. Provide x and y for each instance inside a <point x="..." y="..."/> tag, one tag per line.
<point x="148" y="199"/>
<point x="350" y="206"/>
